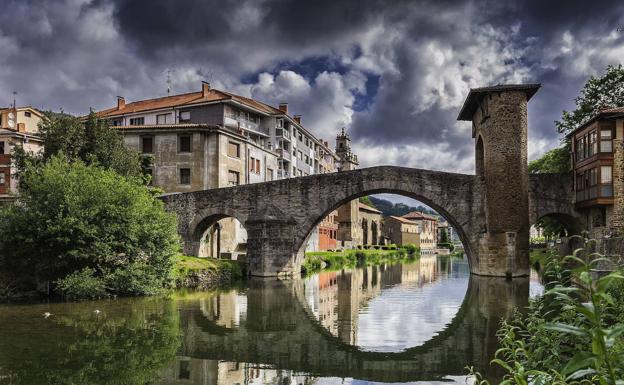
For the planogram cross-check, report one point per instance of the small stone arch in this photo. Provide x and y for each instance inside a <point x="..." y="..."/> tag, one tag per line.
<point x="202" y="222"/>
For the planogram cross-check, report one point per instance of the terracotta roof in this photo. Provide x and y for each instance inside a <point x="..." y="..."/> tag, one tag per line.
<point x="474" y="96"/>
<point x="152" y="126"/>
<point x="190" y="98"/>
<point x="609" y="112"/>
<point x="417" y="215"/>
<point x="403" y="220"/>
<point x="366" y="207"/>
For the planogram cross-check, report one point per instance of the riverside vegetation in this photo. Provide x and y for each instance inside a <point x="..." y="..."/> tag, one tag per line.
<point x="573" y="334"/>
<point x="87" y="225"/>
<point x="347" y="259"/>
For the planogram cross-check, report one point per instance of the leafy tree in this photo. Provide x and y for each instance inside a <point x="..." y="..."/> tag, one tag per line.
<point x="93" y="142"/>
<point x="444" y="236"/>
<point x="606" y="91"/>
<point x="367" y="201"/>
<point x="397" y="209"/>
<point x="76" y="221"/>
<point x="554" y="161"/>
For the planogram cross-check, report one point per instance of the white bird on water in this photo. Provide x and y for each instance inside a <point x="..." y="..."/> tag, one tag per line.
<point x="97" y="312"/>
<point x="47" y="314"/>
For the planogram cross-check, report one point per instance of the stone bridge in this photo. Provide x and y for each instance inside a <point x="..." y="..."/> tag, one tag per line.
<point x="293" y="339"/>
<point x="491" y="210"/>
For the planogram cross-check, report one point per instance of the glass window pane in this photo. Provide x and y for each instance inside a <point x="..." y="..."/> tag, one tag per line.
<point x="605" y="134"/>
<point x="605" y="174"/>
<point x="606" y="146"/>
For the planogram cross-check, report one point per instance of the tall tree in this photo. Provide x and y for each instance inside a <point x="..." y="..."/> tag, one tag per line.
<point x="606" y="91"/>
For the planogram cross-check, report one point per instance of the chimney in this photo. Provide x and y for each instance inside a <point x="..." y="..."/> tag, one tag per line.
<point x="297" y="118"/>
<point x="121" y="102"/>
<point x="205" y="89"/>
<point x="283" y="107"/>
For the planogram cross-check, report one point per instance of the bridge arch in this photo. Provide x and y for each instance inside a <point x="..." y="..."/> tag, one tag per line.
<point x="447" y="206"/>
<point x="205" y="231"/>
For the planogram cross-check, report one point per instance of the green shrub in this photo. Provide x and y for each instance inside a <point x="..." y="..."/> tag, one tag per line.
<point x="82" y="284"/>
<point x="392" y="246"/>
<point x="377" y="247"/>
<point x="411" y="248"/>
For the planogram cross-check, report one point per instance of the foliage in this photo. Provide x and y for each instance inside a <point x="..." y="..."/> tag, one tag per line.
<point x="367" y="201"/>
<point x="554" y="161"/>
<point x="74" y="216"/>
<point x="411" y="248"/>
<point x="82" y="284"/>
<point x="94" y="142"/>
<point x="186" y="267"/>
<point x="573" y="334"/>
<point x="397" y="209"/>
<point x="551" y="227"/>
<point x="444" y="238"/>
<point x="599" y="92"/>
<point x="321" y="260"/>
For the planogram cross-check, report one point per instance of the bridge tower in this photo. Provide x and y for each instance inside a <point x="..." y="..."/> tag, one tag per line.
<point x="348" y="214"/>
<point x="499" y="127"/>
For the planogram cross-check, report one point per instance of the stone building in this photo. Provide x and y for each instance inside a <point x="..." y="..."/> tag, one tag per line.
<point x="401" y="231"/>
<point x="598" y="164"/>
<point x="349" y="234"/>
<point x="370" y="224"/>
<point x="428" y="228"/>
<point x="210" y="139"/>
<point x="18" y="126"/>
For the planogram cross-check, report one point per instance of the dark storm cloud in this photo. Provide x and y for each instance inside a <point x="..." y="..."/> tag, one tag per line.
<point x="395" y="73"/>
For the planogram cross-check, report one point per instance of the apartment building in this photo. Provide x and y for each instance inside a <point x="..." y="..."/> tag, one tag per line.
<point x="212" y="139"/>
<point x="598" y="164"/>
<point x="18" y="126"/>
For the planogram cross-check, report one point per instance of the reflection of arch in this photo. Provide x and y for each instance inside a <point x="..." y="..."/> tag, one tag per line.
<point x="468" y="340"/>
<point x="479" y="157"/>
<point x="374" y="231"/>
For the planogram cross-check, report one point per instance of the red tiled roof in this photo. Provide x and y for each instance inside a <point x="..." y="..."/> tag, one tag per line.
<point x="366" y="207"/>
<point x="417" y="215"/>
<point x="188" y="99"/>
<point x="602" y="113"/>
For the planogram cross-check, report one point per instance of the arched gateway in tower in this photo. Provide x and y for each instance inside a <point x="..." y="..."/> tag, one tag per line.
<point x="489" y="210"/>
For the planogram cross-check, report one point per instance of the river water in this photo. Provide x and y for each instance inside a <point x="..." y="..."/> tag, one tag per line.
<point x="415" y="323"/>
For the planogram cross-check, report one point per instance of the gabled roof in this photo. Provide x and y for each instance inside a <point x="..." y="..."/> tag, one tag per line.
<point x="366" y="207"/>
<point x="403" y="220"/>
<point x="476" y="94"/>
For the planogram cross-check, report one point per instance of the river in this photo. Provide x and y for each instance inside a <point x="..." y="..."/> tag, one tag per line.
<point x="415" y="323"/>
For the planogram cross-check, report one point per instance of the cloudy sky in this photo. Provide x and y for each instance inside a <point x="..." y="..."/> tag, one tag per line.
<point x="393" y="72"/>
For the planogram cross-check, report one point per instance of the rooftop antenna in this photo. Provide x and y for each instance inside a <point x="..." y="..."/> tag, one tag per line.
<point x="168" y="81"/>
<point x="14" y="103"/>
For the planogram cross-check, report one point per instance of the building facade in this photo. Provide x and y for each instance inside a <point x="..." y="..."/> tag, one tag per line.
<point x="328" y="232"/>
<point x="212" y="139"/>
<point x="428" y="227"/>
<point x="18" y="126"/>
<point x="370" y="224"/>
<point x="598" y="167"/>
<point x="401" y="231"/>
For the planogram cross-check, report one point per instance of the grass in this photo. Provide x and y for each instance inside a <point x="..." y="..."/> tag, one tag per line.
<point x="187" y="266"/>
<point x="337" y="260"/>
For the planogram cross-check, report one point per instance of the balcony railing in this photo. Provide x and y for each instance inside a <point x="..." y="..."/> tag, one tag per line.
<point x="284" y="153"/>
<point x="282" y="133"/>
<point x="283" y="174"/>
<point x="594" y="192"/>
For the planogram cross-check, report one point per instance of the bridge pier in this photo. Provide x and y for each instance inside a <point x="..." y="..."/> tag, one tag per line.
<point x="270" y="251"/>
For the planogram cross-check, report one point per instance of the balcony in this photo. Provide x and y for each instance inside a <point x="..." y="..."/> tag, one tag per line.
<point x="284" y="153"/>
<point x="282" y="133"/>
<point x="281" y="174"/>
<point x="595" y="195"/>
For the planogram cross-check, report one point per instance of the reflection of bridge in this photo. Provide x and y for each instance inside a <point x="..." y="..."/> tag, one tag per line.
<point x="280" y="330"/>
<point x="489" y="210"/>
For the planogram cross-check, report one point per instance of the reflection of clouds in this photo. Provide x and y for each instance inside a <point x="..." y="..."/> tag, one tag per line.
<point x="407" y="315"/>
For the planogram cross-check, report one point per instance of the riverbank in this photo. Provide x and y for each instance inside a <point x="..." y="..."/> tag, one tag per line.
<point x="338" y="260"/>
<point x="202" y="273"/>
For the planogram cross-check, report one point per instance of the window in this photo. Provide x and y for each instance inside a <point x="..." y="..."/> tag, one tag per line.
<point x="606" y="145"/>
<point x="184" y="143"/>
<point x="185" y="176"/>
<point x="300" y="155"/>
<point x="233" y="150"/>
<point x="593" y="177"/>
<point x="116" y="122"/>
<point x="1" y="147"/>
<point x="185" y="116"/>
<point x="233" y="178"/>
<point x="258" y="166"/>
<point x="269" y="174"/>
<point x="162" y="119"/>
<point x="605" y="175"/>
<point x="137" y="121"/>
<point x="2" y="180"/>
<point x="593" y="143"/>
<point x="27" y="114"/>
<point x="147" y="144"/>
<point x="254" y="165"/>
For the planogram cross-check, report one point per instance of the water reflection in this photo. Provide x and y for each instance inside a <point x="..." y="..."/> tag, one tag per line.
<point x="407" y="323"/>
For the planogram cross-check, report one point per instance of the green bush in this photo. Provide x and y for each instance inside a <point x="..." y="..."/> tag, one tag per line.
<point x="392" y="246"/>
<point x="71" y="217"/>
<point x="411" y="248"/>
<point x="82" y="284"/>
